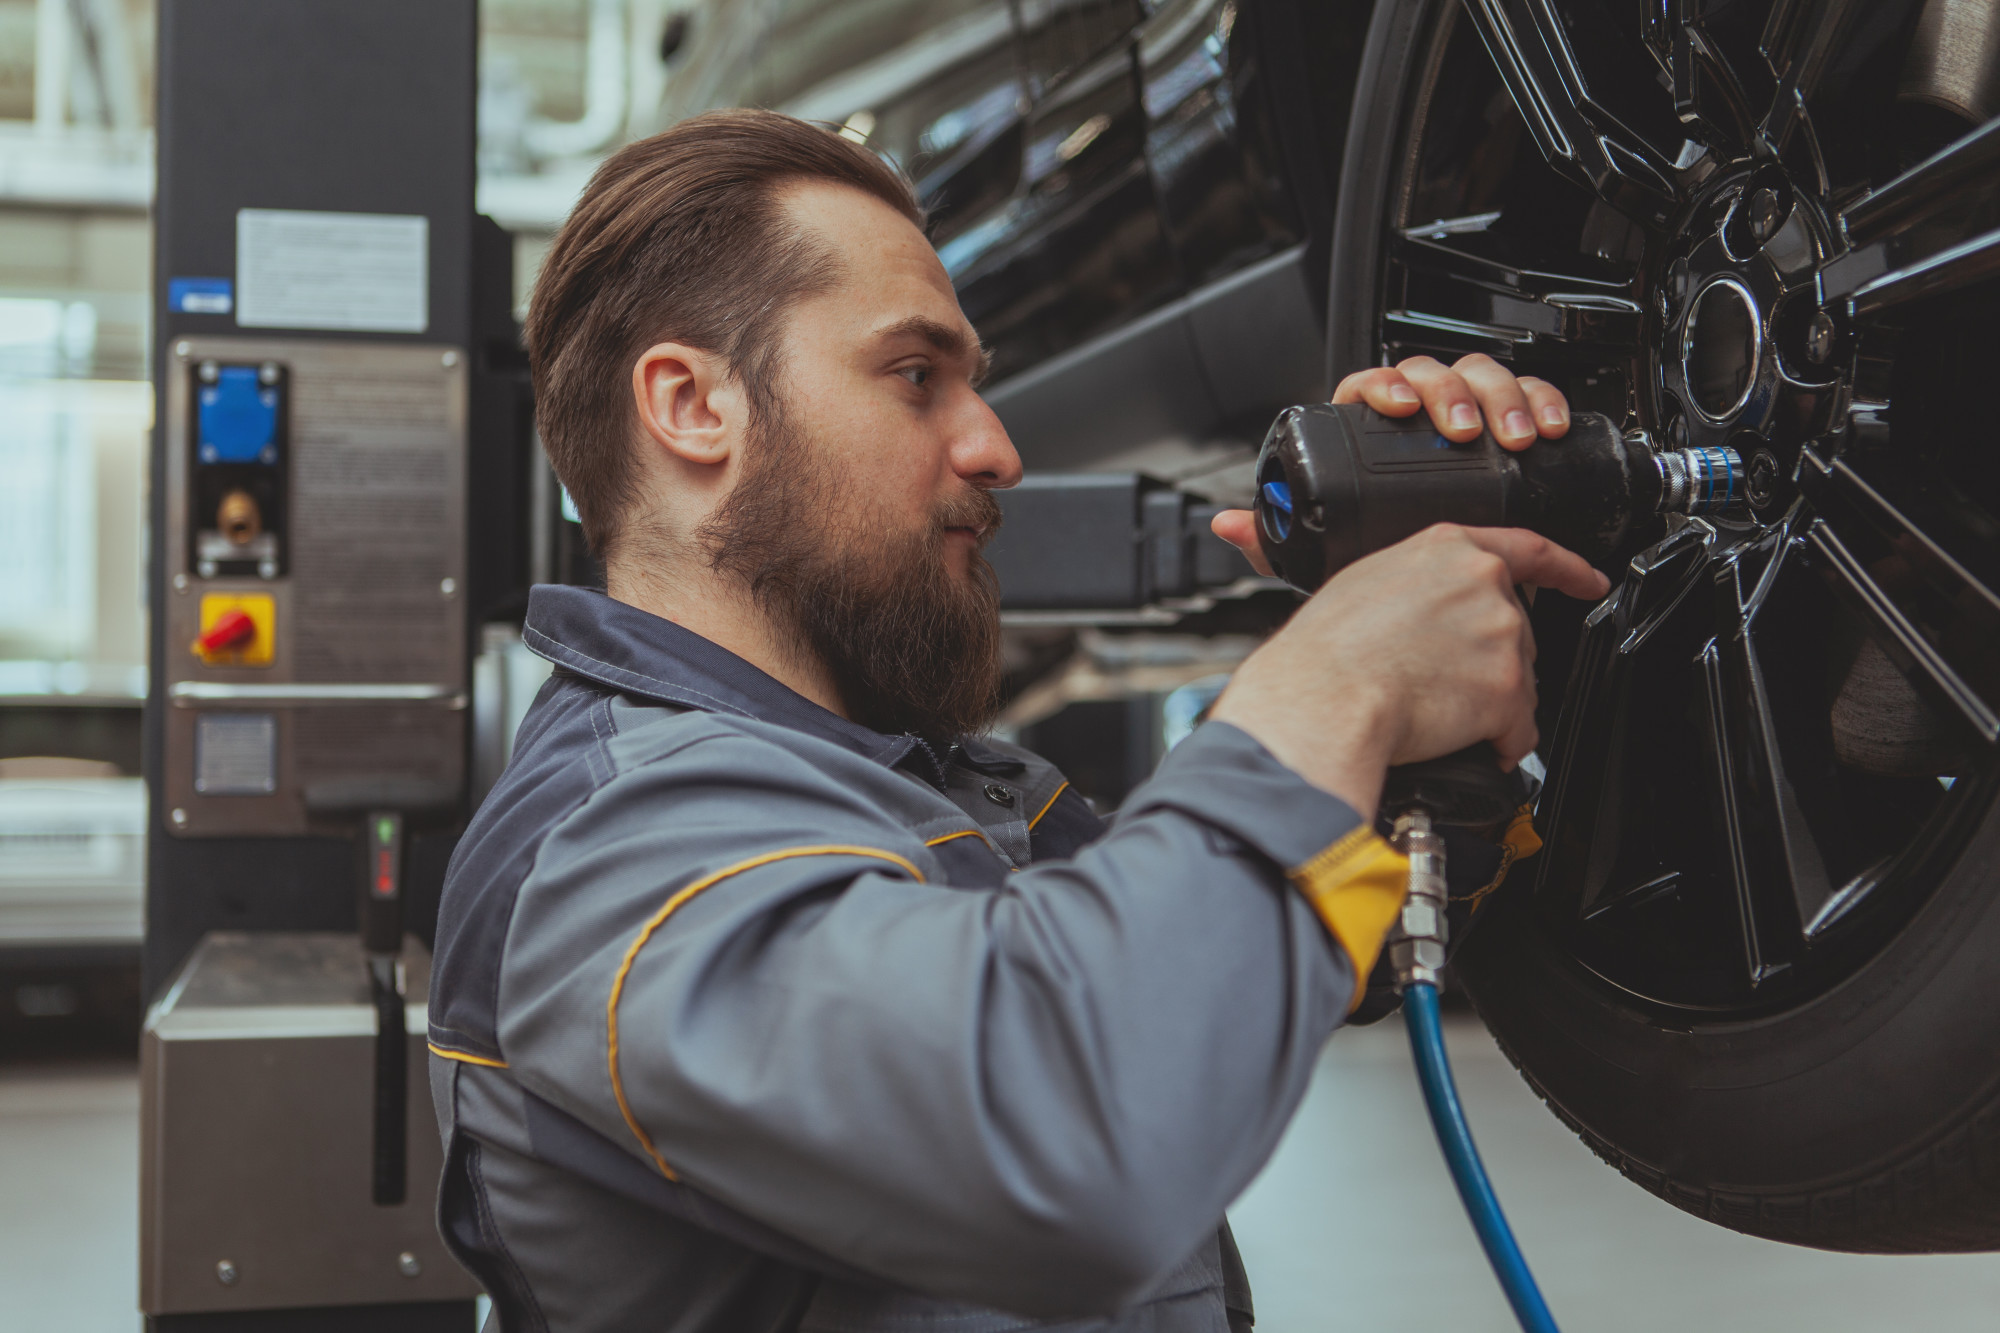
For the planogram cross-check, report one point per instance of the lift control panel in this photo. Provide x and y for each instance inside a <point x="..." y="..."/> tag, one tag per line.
<point x="316" y="659"/>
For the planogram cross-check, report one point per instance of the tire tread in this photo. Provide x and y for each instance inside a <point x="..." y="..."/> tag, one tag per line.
<point x="1942" y="1198"/>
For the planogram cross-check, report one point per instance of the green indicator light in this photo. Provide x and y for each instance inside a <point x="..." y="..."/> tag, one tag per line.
<point x="385" y="829"/>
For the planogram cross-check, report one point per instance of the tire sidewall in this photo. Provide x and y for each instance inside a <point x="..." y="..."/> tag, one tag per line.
<point x="1824" y="1095"/>
<point x="1397" y="35"/>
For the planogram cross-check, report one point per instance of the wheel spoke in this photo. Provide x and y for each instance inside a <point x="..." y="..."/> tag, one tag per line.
<point x="1463" y="300"/>
<point x="1725" y="761"/>
<point x="1578" y="136"/>
<point x="1937" y="619"/>
<point x="1770" y="749"/>
<point x="1708" y="97"/>
<point x="1599" y="810"/>
<point x="1911" y="199"/>
<point x="1583" y="813"/>
<point x="1800" y="40"/>
<point x="1946" y="271"/>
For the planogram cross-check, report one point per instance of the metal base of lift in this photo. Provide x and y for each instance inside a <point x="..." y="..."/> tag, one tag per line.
<point x="258" y="1152"/>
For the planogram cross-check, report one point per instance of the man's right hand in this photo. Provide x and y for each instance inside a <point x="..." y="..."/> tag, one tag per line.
<point x="1410" y="653"/>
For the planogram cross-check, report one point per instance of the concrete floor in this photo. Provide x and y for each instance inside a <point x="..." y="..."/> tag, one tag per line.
<point x="1354" y="1225"/>
<point x="69" y="1197"/>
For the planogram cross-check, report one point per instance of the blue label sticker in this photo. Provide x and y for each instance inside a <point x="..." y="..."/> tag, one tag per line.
<point x="201" y="296"/>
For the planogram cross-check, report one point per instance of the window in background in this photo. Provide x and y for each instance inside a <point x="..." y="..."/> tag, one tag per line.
<point x="76" y="101"/>
<point x="75" y="409"/>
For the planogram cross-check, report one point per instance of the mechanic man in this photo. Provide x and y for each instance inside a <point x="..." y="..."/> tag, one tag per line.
<point x="766" y="995"/>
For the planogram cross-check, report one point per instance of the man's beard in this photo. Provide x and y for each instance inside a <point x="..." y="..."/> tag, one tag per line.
<point x="911" y="645"/>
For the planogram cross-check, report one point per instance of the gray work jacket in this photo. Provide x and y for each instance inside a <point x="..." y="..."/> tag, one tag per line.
<point x="745" y="1017"/>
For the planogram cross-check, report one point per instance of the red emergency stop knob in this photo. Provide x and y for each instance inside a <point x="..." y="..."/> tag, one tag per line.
<point x="232" y="629"/>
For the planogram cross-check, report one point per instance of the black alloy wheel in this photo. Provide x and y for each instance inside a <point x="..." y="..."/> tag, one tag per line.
<point x="1758" y="966"/>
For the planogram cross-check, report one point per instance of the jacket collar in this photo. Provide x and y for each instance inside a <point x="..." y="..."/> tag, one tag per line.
<point x="637" y="653"/>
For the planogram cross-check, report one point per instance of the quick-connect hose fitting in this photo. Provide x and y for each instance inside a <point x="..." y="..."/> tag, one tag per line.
<point x="1417" y="939"/>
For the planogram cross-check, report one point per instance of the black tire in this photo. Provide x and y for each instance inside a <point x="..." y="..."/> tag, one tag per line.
<point x="1853" y="1102"/>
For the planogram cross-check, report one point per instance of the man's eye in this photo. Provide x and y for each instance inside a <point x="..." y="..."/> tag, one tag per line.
<point x="916" y="375"/>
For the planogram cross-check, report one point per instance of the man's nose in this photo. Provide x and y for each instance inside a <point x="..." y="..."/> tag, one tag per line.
<point x="981" y="453"/>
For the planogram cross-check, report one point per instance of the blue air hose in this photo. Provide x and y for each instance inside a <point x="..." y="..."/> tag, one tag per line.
<point x="1420" y="1012"/>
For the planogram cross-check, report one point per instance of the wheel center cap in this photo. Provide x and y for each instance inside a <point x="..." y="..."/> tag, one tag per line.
<point x="1720" y="347"/>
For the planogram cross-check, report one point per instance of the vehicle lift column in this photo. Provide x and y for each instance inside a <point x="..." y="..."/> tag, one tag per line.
<point x="336" y="505"/>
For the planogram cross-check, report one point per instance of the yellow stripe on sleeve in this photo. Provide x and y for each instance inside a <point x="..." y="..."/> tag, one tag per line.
<point x="1356" y="886"/>
<point x="465" y="1057"/>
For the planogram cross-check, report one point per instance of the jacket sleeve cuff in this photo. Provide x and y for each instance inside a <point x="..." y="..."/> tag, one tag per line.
<point x="1353" y="880"/>
<point x="1356" y="886"/>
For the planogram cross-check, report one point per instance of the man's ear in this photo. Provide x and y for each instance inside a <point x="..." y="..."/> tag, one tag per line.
<point x="687" y="403"/>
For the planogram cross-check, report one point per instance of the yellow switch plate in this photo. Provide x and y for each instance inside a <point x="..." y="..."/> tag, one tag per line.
<point x="263" y="612"/>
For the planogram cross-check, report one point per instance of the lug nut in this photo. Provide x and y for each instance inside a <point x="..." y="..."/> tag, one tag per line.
<point x="1766" y="214"/>
<point x="1760" y="484"/>
<point x="1820" y="335"/>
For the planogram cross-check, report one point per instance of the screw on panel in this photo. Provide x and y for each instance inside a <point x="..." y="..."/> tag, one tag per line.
<point x="408" y="1265"/>
<point x="183" y="349"/>
<point x="448" y="587"/>
<point x="267" y="373"/>
<point x="208" y="372"/>
<point x="450" y="360"/>
<point x="180" y="818"/>
<point x="180" y="583"/>
<point x="225" y="1272"/>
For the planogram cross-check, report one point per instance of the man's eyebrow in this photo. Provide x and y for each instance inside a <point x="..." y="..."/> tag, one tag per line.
<point x="951" y="341"/>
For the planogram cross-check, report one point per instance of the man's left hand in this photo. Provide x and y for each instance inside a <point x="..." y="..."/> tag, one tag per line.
<point x="1477" y="392"/>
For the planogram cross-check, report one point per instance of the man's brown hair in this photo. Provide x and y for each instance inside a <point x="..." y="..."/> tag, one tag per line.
<point x="678" y="238"/>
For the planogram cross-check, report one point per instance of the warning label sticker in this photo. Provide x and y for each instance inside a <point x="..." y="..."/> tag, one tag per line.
<point x="365" y="272"/>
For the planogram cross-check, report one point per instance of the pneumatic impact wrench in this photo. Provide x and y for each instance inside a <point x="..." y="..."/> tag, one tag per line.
<point x="1336" y="483"/>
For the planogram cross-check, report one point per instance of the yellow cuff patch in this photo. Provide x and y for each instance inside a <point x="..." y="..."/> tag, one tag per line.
<point x="1356" y="886"/>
